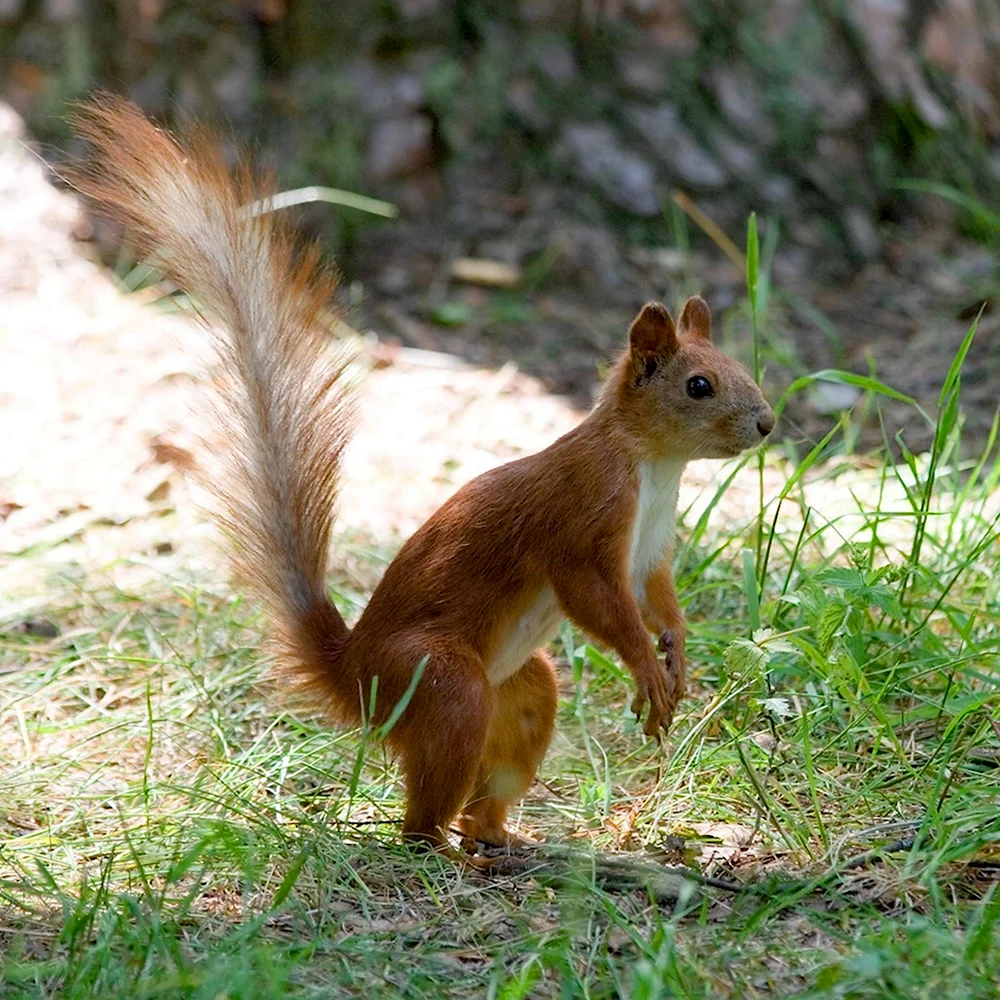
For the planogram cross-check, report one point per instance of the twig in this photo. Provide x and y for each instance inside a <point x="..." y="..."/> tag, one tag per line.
<point x="711" y="229"/>
<point x="664" y="882"/>
<point x="860" y="860"/>
<point x="871" y="831"/>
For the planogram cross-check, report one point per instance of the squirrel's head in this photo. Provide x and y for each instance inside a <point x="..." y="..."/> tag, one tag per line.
<point x="685" y="396"/>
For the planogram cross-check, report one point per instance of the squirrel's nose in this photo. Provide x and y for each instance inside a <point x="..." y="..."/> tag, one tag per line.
<point x="766" y="424"/>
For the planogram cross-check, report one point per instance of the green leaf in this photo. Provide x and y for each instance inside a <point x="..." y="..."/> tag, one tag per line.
<point x="288" y="882"/>
<point x="865" y="382"/>
<point x="984" y="216"/>
<point x="840" y="577"/>
<point x="450" y="314"/>
<point x="830" y="622"/>
<point x="885" y="600"/>
<point x="753" y="261"/>
<point x="750" y="585"/>
<point x="829" y="976"/>
<point x="603" y="663"/>
<point x="955" y="368"/>
<point x="742" y="655"/>
<point x="333" y="196"/>
<point x="775" y="641"/>
<point x="400" y="706"/>
<point x="781" y="707"/>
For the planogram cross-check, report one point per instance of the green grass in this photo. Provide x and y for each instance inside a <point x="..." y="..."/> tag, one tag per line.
<point x="171" y="825"/>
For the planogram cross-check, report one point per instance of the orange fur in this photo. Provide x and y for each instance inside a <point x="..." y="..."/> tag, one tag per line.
<point x="520" y="729"/>
<point x="583" y="529"/>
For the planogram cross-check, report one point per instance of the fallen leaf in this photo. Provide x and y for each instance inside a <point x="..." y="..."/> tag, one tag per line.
<point x="728" y="834"/>
<point x="167" y="453"/>
<point x="488" y="273"/>
<point x="159" y="492"/>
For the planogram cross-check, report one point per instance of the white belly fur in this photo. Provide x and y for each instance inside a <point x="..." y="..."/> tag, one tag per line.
<point x="652" y="539"/>
<point x="655" y="519"/>
<point x="535" y="629"/>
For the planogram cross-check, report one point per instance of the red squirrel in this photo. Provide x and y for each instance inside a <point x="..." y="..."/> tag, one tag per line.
<point x="582" y="530"/>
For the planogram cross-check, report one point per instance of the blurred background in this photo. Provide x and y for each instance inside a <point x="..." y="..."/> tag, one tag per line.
<point x="590" y="154"/>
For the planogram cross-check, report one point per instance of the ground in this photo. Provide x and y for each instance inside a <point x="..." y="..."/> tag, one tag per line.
<point x="900" y="317"/>
<point x="174" y="824"/>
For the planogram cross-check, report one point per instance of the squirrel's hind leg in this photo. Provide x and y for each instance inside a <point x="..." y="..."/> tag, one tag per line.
<point x="441" y="738"/>
<point x="519" y="735"/>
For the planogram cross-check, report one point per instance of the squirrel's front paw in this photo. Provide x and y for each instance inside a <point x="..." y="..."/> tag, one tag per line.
<point x="655" y="687"/>
<point x="674" y="661"/>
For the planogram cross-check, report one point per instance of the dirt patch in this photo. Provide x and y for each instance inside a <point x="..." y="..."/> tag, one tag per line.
<point x="97" y="390"/>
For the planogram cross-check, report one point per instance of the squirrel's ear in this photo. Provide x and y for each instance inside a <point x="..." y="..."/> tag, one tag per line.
<point x="652" y="333"/>
<point x="696" y="320"/>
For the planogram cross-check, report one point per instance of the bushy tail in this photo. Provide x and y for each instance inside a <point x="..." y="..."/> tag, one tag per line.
<point x="286" y="403"/>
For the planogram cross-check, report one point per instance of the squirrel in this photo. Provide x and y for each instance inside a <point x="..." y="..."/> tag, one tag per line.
<point x="582" y="530"/>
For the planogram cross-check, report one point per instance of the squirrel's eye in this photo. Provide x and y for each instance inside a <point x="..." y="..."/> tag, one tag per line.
<point x="698" y="387"/>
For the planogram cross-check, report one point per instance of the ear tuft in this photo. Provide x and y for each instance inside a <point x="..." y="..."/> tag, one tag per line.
<point x="652" y="333"/>
<point x="696" y="319"/>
